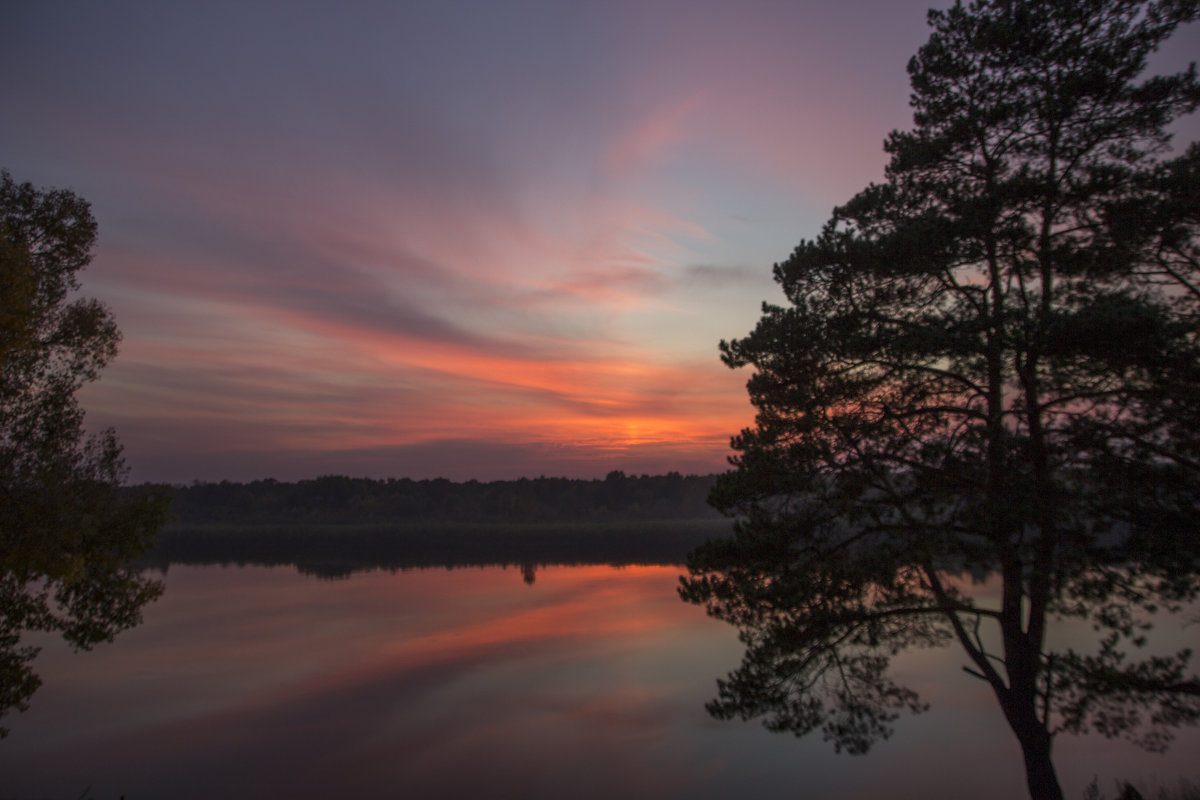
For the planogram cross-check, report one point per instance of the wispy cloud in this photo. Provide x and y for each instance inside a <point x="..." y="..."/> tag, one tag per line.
<point x="653" y="134"/>
<point x="718" y="276"/>
<point x="446" y="238"/>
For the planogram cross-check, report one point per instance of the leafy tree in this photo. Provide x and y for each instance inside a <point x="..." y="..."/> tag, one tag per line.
<point x="987" y="373"/>
<point x="67" y="528"/>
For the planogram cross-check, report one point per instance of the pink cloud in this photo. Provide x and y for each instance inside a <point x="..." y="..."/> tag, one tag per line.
<point x="498" y="263"/>
<point x="653" y="135"/>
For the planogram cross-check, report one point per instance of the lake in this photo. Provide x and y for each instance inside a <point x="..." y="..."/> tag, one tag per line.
<point x="589" y="682"/>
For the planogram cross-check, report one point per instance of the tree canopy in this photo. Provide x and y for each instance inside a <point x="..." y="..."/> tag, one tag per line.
<point x="338" y="499"/>
<point x="987" y="371"/>
<point x="67" y="528"/>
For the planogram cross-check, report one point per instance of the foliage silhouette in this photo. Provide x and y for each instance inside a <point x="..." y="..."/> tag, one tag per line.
<point x="67" y="530"/>
<point x="337" y="499"/>
<point x="989" y="366"/>
<point x="334" y="525"/>
<point x="337" y="551"/>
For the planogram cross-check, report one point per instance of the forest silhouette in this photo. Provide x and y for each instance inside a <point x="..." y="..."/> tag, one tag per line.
<point x="333" y="526"/>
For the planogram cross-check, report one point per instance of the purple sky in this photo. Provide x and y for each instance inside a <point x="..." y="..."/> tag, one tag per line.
<point x="462" y="239"/>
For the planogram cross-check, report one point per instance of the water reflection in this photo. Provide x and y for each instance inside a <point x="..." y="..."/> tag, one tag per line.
<point x="591" y="682"/>
<point x="334" y="551"/>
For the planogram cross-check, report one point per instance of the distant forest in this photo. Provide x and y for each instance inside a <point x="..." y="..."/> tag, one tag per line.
<point x="335" y="499"/>
<point x="333" y="526"/>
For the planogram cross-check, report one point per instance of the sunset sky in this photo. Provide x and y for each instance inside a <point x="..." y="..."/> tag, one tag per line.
<point x="483" y="239"/>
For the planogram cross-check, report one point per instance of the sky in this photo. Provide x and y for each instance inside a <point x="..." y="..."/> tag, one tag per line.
<point x="477" y="239"/>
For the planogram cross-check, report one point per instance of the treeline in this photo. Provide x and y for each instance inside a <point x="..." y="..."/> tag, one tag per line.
<point x="334" y="499"/>
<point x="332" y="551"/>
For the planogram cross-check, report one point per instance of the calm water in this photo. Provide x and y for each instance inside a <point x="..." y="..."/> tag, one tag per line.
<point x="590" y="683"/>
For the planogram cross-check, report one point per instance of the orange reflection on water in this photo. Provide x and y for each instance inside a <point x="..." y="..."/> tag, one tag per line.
<point x="590" y="683"/>
<point x="496" y="617"/>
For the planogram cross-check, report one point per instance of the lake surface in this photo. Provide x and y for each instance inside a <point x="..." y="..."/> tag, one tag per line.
<point x="589" y="682"/>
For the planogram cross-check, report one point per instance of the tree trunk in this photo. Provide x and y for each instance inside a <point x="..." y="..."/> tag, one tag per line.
<point x="1019" y="699"/>
<point x="1039" y="768"/>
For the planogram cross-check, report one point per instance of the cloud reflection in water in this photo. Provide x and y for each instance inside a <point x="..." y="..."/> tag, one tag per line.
<point x="256" y="682"/>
